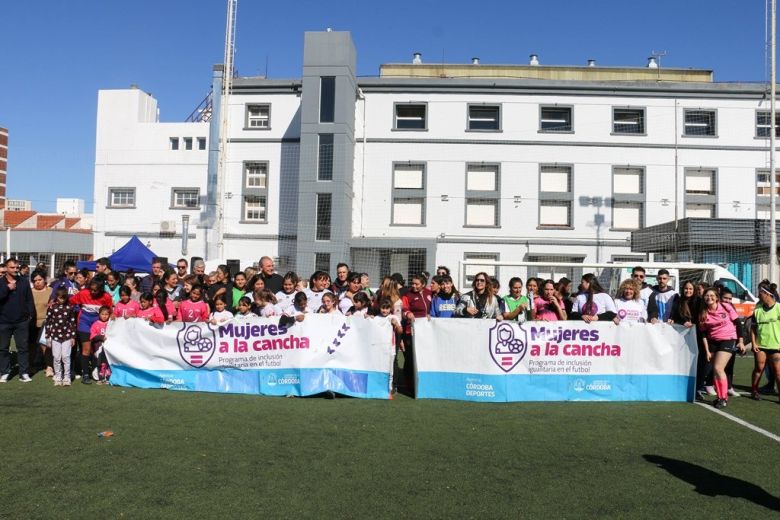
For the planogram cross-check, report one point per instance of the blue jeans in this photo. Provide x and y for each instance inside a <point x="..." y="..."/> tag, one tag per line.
<point x="20" y="332"/>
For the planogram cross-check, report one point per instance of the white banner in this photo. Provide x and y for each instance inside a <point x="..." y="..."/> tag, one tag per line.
<point x="349" y="355"/>
<point x="485" y="360"/>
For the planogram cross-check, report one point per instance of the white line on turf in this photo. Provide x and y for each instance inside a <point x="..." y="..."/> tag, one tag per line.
<point x="737" y="420"/>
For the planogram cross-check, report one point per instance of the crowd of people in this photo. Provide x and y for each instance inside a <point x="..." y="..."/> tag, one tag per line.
<point x="59" y="325"/>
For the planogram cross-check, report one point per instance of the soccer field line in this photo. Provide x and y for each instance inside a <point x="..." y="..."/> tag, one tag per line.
<point x="744" y="423"/>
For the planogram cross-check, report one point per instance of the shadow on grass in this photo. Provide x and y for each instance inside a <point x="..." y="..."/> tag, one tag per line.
<point x="711" y="484"/>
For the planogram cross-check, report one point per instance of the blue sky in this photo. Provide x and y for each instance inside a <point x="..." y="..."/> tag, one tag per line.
<point x="56" y="55"/>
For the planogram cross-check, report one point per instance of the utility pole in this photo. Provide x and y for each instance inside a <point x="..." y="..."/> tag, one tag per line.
<point x="772" y="130"/>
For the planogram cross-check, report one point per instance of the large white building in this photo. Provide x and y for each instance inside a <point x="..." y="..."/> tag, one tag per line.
<point x="431" y="164"/>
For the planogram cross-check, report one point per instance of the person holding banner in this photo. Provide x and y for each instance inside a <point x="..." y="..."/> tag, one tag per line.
<point x="91" y="301"/>
<point x="628" y="303"/>
<point x="765" y="336"/>
<point x="445" y="302"/>
<point x="717" y="323"/>
<point x="592" y="303"/>
<point x="480" y="301"/>
<point x="516" y="304"/>
<point x="548" y="307"/>
<point x="147" y="311"/>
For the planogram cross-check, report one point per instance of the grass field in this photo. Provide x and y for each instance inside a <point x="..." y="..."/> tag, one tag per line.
<point x="179" y="455"/>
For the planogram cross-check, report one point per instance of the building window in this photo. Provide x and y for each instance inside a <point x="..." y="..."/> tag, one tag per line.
<point x="174" y="143"/>
<point x="325" y="166"/>
<point x="324" y="212"/>
<point x="764" y="123"/>
<point x="700" y="182"/>
<point x="555" y="119"/>
<point x="700" y="210"/>
<point x="121" y="197"/>
<point x="188" y="143"/>
<point x="327" y="99"/>
<point x="408" y="195"/>
<point x="484" y="117"/>
<point x="555" y="196"/>
<point x="699" y="123"/>
<point x="185" y="198"/>
<point x="628" y="121"/>
<point x="322" y="262"/>
<point x="201" y="143"/>
<point x="763" y="185"/>
<point x="258" y="116"/>
<point x="470" y="270"/>
<point x="410" y="116"/>
<point x="256" y="174"/>
<point x="254" y="208"/>
<point x="628" y="197"/>
<point x="482" y="195"/>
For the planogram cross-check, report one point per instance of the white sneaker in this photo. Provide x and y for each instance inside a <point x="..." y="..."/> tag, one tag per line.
<point x="4" y="378"/>
<point x="734" y="393"/>
<point x="66" y="382"/>
<point x="710" y="390"/>
<point x="95" y="374"/>
<point x="25" y="378"/>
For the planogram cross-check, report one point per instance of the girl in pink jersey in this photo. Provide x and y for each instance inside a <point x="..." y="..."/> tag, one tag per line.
<point x="97" y="336"/>
<point x="126" y="307"/>
<point x="193" y="309"/>
<point x="149" y="312"/>
<point x="719" y="333"/>
<point x="548" y="307"/>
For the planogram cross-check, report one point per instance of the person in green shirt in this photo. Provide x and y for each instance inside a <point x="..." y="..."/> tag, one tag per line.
<point x="765" y="336"/>
<point x="516" y="304"/>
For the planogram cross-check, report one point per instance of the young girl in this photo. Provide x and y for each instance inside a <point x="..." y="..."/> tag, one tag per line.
<point x="592" y="304"/>
<point x="90" y="300"/>
<point x="719" y="332"/>
<point x="284" y="298"/>
<point x="220" y="314"/>
<point x="132" y="283"/>
<point x="446" y="300"/>
<point x="628" y="303"/>
<point x="360" y="305"/>
<point x="386" y="308"/>
<point x="61" y="332"/>
<point x="163" y="302"/>
<point x="328" y="304"/>
<point x="548" y="307"/>
<point x="515" y="303"/>
<point x="300" y="307"/>
<point x="147" y="311"/>
<point x="238" y="291"/>
<point x="264" y="304"/>
<point x="97" y="335"/>
<point x="532" y="291"/>
<point x="244" y="310"/>
<point x="318" y="285"/>
<point x="126" y="307"/>
<point x="194" y="309"/>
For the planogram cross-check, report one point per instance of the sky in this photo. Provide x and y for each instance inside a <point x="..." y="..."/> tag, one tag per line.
<point x="56" y="55"/>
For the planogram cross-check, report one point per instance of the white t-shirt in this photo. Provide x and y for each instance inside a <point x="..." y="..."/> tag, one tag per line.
<point x="314" y="298"/>
<point x="602" y="301"/>
<point x="631" y="310"/>
<point x="222" y="316"/>
<point x="644" y="295"/>
<point x="345" y="303"/>
<point x="284" y="300"/>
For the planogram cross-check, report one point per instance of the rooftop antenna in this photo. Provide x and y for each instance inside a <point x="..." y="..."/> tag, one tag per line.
<point x="658" y="55"/>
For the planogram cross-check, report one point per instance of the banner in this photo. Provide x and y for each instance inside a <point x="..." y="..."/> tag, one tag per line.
<point x="348" y="355"/>
<point x="485" y="360"/>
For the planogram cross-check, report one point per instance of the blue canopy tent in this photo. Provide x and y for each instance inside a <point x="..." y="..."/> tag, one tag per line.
<point x="133" y="255"/>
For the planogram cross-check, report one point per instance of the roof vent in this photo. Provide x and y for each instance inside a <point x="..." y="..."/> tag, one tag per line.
<point x="591" y="63"/>
<point x="475" y="61"/>
<point x="417" y="58"/>
<point x="651" y="63"/>
<point x="533" y="59"/>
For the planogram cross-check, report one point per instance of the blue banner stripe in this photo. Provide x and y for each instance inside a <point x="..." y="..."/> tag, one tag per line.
<point x="538" y="387"/>
<point x="276" y="382"/>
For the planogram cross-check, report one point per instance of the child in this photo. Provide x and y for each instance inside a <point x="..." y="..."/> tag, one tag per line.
<point x="264" y="303"/>
<point x="220" y="314"/>
<point x="238" y="291"/>
<point x="328" y="303"/>
<point x="284" y="298"/>
<point x="126" y="307"/>
<point x="97" y="336"/>
<point x="60" y="328"/>
<point x="360" y="304"/>
<point x="164" y="302"/>
<point x="194" y="309"/>
<point x="300" y="307"/>
<point x="244" y="309"/>
<point x="149" y="312"/>
<point x="386" y="312"/>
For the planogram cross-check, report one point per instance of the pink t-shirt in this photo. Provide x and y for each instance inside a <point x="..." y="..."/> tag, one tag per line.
<point x="153" y="314"/>
<point x="98" y="329"/>
<point x="126" y="310"/>
<point x="193" y="311"/>
<point x="719" y="324"/>
<point x="545" y="310"/>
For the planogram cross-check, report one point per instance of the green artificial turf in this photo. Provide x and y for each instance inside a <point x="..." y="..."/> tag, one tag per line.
<point x="197" y="455"/>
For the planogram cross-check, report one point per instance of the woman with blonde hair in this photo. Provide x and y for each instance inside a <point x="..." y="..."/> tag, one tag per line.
<point x="629" y="303"/>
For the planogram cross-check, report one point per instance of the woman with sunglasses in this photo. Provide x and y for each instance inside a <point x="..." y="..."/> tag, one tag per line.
<point x="480" y="301"/>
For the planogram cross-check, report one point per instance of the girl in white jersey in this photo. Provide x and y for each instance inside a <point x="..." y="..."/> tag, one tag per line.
<point x="284" y="298"/>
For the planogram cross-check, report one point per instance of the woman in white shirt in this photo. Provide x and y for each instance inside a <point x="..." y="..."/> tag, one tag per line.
<point x="592" y="303"/>
<point x="628" y="303"/>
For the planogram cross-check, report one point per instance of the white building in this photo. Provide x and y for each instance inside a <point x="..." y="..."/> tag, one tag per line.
<point x="18" y="205"/>
<point x="432" y="164"/>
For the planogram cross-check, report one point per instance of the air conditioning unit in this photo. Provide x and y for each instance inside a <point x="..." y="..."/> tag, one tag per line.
<point x="168" y="227"/>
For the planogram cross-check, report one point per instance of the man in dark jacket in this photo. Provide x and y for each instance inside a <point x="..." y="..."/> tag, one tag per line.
<point x="16" y="309"/>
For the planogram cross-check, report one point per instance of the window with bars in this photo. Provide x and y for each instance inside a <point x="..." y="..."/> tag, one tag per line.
<point x="764" y="123"/>
<point x="256" y="174"/>
<point x="628" y="121"/>
<point x="254" y="192"/>
<point x="324" y="216"/>
<point x="121" y="197"/>
<point x="254" y="208"/>
<point x="763" y="183"/>
<point x="484" y="117"/>
<point x="258" y="117"/>
<point x="699" y="181"/>
<point x="555" y="196"/>
<point x="699" y="210"/>
<point x="325" y="163"/>
<point x="483" y="195"/>
<point x="185" y="198"/>
<point x="555" y="119"/>
<point x="411" y="116"/>
<point x="699" y="123"/>
<point x="628" y="197"/>
<point x="409" y="192"/>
